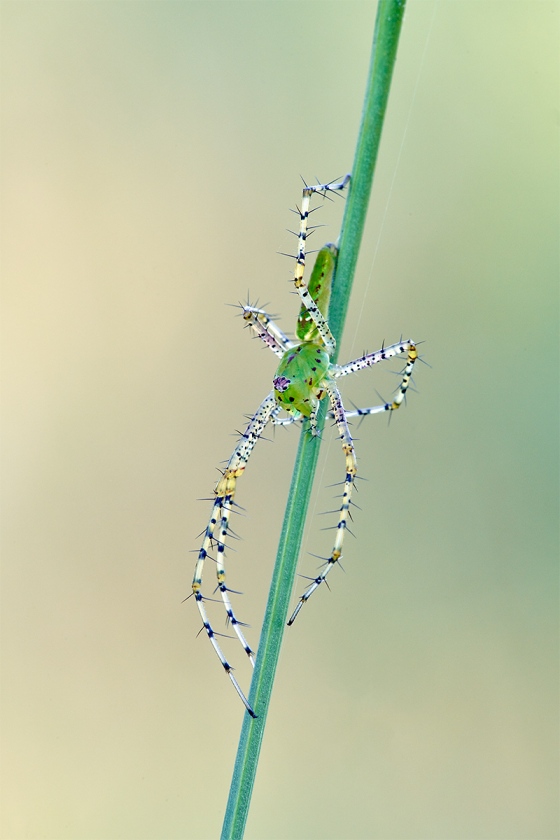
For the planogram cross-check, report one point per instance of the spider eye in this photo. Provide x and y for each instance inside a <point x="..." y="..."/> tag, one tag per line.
<point x="281" y="383"/>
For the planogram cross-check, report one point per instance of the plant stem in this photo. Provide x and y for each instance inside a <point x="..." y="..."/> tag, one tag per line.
<point x="385" y="41"/>
<point x="383" y="56"/>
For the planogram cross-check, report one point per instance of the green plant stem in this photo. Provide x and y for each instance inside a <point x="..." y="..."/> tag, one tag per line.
<point x="385" y="41"/>
<point x="383" y="56"/>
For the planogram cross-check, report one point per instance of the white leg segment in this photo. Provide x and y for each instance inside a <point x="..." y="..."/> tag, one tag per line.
<point x="299" y="281"/>
<point x="284" y="421"/>
<point x="266" y="329"/>
<point x="219" y="521"/>
<point x="369" y="359"/>
<point x="351" y="470"/>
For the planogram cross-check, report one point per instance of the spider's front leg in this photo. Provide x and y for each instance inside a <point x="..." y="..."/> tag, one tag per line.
<point x="351" y="471"/>
<point x="217" y="530"/>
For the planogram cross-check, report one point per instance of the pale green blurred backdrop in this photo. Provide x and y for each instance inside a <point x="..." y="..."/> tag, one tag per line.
<point x="150" y="154"/>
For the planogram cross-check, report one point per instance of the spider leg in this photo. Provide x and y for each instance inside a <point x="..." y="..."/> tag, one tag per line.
<point x="351" y="470"/>
<point x="313" y="427"/>
<point x="284" y="421"/>
<point x="369" y="359"/>
<point x="300" y="284"/>
<point x="217" y="531"/>
<point x="266" y="329"/>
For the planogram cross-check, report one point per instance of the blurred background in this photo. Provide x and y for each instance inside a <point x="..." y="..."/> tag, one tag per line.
<point x="150" y="154"/>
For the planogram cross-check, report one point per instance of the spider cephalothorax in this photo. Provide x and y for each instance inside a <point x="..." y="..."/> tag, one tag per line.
<point x="305" y="376"/>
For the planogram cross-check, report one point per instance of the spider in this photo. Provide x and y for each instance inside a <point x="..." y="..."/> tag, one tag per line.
<point x="305" y="376"/>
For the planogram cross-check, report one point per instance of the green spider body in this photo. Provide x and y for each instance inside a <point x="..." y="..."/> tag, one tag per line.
<point x="299" y="383"/>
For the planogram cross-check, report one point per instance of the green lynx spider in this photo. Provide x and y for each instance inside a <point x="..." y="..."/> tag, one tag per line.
<point x="304" y="377"/>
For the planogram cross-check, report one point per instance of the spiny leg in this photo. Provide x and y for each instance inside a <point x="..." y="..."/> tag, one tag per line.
<point x="300" y="284"/>
<point x="369" y="359"/>
<point x="219" y="519"/>
<point x="266" y="329"/>
<point x="225" y="491"/>
<point x="341" y="416"/>
<point x="284" y="421"/>
<point x="297" y="417"/>
<point x="351" y="470"/>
